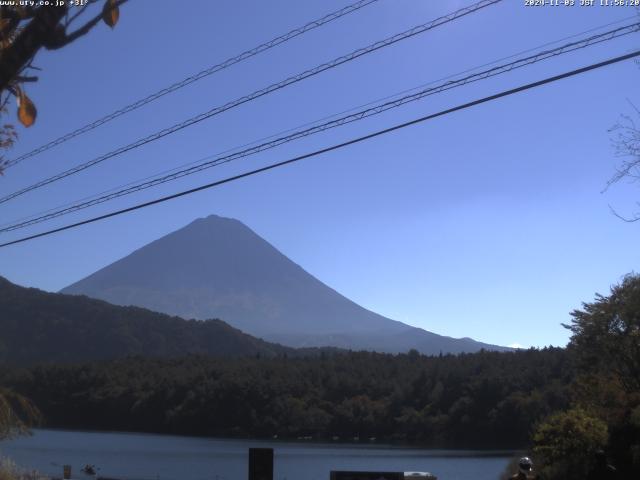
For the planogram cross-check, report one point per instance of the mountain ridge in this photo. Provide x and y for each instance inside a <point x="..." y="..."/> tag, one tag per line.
<point x="45" y="327"/>
<point x="218" y="267"/>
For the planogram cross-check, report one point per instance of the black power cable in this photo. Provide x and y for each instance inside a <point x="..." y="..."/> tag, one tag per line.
<point x="194" y="78"/>
<point x="257" y="94"/>
<point x="315" y="153"/>
<point x="344" y="120"/>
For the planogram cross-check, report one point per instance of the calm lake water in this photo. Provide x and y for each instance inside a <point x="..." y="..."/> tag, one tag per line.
<point x="166" y="457"/>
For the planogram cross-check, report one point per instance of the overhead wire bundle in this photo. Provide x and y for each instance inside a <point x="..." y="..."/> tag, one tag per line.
<point x="343" y="120"/>
<point x="334" y="121"/>
<point x="296" y="32"/>
<point x="522" y="88"/>
<point x="418" y="29"/>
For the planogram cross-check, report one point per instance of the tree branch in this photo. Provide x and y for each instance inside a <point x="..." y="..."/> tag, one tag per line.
<point x="86" y="28"/>
<point x="24" y="79"/>
<point x="625" y="219"/>
<point x="80" y="11"/>
<point x="33" y="37"/>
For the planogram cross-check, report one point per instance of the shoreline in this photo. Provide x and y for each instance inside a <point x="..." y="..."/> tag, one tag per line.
<point x="319" y="442"/>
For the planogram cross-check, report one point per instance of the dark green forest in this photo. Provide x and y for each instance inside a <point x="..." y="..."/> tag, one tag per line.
<point x="38" y="326"/>
<point x="564" y="405"/>
<point x="481" y="399"/>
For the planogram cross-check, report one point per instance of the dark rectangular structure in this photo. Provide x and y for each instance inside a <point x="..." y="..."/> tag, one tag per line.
<point x="339" y="475"/>
<point x="261" y="464"/>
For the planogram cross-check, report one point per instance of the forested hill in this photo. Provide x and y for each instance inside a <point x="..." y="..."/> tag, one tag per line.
<point x="38" y="327"/>
<point x="477" y="400"/>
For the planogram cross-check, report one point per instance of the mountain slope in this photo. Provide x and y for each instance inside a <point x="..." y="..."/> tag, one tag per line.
<point x="38" y="326"/>
<point x="218" y="268"/>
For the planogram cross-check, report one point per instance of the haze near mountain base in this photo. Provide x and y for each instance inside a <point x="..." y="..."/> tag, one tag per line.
<point x="217" y="267"/>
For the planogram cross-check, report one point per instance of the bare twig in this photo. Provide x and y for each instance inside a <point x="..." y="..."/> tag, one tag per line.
<point x="633" y="219"/>
<point x="86" y="28"/>
<point x="23" y="79"/>
<point x="80" y="11"/>
<point x="626" y="145"/>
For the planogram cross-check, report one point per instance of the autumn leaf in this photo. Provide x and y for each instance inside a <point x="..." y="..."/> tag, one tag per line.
<point x="110" y="13"/>
<point x="4" y="22"/>
<point x="26" y="110"/>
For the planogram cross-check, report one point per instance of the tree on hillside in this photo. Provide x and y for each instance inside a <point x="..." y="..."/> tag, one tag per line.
<point x="25" y="30"/>
<point x="605" y="345"/>
<point x="566" y="444"/>
<point x="17" y="414"/>
<point x="606" y="334"/>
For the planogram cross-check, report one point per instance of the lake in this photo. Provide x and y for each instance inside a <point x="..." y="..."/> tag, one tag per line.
<point x="167" y="457"/>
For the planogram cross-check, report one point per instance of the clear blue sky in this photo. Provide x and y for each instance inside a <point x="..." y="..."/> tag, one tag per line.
<point x="488" y="223"/>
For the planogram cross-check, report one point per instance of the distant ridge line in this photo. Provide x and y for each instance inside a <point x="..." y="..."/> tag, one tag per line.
<point x="218" y="267"/>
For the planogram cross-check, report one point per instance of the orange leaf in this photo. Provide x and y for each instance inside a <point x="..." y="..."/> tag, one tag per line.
<point x="26" y="110"/>
<point x="110" y="13"/>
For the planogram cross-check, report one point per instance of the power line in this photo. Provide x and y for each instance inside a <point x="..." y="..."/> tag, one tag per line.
<point x="194" y="78"/>
<point x="500" y="69"/>
<point x="307" y="124"/>
<point x="334" y="147"/>
<point x="259" y="93"/>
